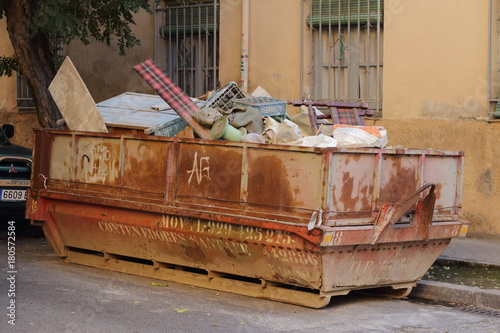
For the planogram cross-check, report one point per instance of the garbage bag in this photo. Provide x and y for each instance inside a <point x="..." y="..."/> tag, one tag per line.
<point x="360" y="136"/>
<point x="320" y="141"/>
<point x="288" y="131"/>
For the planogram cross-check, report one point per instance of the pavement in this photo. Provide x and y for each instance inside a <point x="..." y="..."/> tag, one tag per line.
<point x="467" y="251"/>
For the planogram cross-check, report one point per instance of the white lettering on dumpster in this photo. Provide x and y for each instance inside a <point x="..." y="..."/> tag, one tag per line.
<point x="362" y="266"/>
<point x="209" y="227"/>
<point x="291" y="256"/>
<point x="201" y="168"/>
<point x="129" y="230"/>
<point x="175" y="237"/>
<point x="220" y="244"/>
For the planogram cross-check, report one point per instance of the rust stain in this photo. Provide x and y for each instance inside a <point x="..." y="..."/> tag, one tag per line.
<point x="401" y="181"/>
<point x="268" y="182"/>
<point x="145" y="166"/>
<point x="194" y="253"/>
<point x="229" y="253"/>
<point x="438" y="192"/>
<point x="347" y="191"/>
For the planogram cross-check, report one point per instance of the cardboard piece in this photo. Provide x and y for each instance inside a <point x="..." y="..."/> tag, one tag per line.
<point x="74" y="100"/>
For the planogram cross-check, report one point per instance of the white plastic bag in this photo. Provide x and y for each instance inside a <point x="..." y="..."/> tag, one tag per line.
<point x="360" y="136"/>
<point x="320" y="141"/>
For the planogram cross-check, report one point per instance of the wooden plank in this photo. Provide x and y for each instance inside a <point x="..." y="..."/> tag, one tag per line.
<point x="74" y="100"/>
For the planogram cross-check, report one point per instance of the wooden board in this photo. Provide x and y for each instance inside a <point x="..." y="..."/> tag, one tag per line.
<point x="74" y="100"/>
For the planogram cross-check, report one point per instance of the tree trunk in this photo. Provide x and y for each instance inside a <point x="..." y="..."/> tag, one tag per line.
<point x="34" y="58"/>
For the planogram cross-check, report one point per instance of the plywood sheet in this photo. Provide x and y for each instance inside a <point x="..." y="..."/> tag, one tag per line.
<point x="74" y="100"/>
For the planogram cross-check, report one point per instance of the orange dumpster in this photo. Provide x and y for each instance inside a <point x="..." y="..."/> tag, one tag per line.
<point x="290" y="224"/>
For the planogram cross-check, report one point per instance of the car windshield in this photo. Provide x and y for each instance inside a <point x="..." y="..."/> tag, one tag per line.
<point x="3" y="138"/>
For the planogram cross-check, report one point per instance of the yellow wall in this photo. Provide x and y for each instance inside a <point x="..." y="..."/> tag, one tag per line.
<point x="435" y="93"/>
<point x="107" y="74"/>
<point x="274" y="46"/>
<point x="435" y="59"/>
<point x="24" y="123"/>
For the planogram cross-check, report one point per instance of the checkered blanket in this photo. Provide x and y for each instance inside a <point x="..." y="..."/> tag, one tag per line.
<point x="346" y="116"/>
<point x="172" y="94"/>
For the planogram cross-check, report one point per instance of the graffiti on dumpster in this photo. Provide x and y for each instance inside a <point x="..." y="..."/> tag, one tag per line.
<point x="200" y="169"/>
<point x="94" y="162"/>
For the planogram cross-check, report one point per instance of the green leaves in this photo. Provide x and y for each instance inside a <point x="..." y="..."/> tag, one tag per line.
<point x="83" y="20"/>
<point x="8" y="65"/>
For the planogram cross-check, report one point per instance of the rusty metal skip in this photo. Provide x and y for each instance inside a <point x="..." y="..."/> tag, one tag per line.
<point x="290" y="224"/>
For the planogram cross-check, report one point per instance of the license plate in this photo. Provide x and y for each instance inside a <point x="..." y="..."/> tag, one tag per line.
<point x="13" y="195"/>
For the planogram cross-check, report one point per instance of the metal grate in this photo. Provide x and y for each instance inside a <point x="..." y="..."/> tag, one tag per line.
<point x="187" y="45"/>
<point x="346" y="39"/>
<point x="486" y="312"/>
<point x="25" y="102"/>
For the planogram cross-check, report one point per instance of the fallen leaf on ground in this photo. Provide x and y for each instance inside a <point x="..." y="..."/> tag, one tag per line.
<point x="154" y="284"/>
<point x="179" y="311"/>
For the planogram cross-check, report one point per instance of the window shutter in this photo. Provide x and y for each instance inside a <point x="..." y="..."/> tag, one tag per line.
<point x="183" y="20"/>
<point x="344" y="12"/>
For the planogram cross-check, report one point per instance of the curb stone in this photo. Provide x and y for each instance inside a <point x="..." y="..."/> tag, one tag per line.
<point x="458" y="294"/>
<point x="448" y="261"/>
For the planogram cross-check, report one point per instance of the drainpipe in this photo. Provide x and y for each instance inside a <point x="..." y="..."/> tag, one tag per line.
<point x="245" y="28"/>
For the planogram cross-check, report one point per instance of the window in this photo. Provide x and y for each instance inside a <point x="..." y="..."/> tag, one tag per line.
<point x="494" y="61"/>
<point x="25" y="102"/>
<point x="187" y="44"/>
<point x="346" y="39"/>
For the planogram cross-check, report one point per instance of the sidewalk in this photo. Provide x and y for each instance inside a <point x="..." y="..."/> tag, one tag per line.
<point x="473" y="251"/>
<point x="464" y="251"/>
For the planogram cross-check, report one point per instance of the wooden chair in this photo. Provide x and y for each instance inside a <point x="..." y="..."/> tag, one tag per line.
<point x="340" y="112"/>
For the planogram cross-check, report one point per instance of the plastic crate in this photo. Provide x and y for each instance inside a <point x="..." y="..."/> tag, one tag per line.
<point x="223" y="98"/>
<point x="268" y="107"/>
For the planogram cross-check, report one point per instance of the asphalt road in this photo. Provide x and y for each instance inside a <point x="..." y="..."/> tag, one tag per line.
<point x="54" y="296"/>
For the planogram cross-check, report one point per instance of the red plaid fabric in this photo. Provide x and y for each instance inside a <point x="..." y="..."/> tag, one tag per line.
<point x="346" y="116"/>
<point x="172" y="94"/>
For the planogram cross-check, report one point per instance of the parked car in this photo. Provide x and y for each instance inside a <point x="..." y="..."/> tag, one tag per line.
<point x="15" y="173"/>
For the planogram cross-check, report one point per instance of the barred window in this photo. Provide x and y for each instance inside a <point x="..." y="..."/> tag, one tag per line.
<point x="25" y="102"/>
<point x="346" y="50"/>
<point x="494" y="61"/>
<point x="187" y="44"/>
